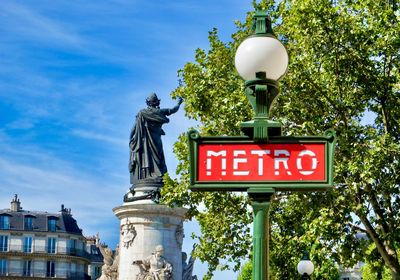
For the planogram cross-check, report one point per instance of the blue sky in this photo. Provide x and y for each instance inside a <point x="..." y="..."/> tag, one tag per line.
<point x="73" y="74"/>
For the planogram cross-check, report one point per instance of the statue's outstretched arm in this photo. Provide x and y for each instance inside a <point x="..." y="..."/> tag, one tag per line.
<point x="174" y="109"/>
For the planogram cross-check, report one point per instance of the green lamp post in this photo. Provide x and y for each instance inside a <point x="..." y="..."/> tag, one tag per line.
<point x="251" y="163"/>
<point x="261" y="60"/>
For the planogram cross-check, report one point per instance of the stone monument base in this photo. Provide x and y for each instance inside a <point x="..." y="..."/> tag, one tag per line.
<point x="144" y="225"/>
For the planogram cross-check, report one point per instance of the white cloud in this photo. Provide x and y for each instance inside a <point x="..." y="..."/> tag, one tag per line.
<point x="21" y="124"/>
<point x="102" y="137"/>
<point x="45" y="186"/>
<point x="27" y="23"/>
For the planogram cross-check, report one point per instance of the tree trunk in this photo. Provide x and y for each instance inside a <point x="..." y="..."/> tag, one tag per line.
<point x="394" y="267"/>
<point x="388" y="255"/>
<point x="395" y="275"/>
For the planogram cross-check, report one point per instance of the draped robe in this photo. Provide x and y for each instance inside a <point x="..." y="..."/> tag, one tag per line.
<point x="147" y="159"/>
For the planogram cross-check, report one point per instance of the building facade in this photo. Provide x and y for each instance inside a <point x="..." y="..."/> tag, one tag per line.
<point x="96" y="258"/>
<point x="353" y="273"/>
<point x="41" y="245"/>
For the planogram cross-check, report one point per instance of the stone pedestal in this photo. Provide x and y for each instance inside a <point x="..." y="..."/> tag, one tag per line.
<point x="144" y="225"/>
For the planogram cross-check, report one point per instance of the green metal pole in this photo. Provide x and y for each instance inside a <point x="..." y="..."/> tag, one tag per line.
<point x="261" y="238"/>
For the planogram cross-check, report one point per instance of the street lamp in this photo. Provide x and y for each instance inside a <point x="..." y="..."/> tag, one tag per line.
<point x="261" y="60"/>
<point x="305" y="267"/>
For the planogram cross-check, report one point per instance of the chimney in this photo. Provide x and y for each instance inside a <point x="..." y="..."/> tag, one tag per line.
<point x="16" y="204"/>
<point x="65" y="210"/>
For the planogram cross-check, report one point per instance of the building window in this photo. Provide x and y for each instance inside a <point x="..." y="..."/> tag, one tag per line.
<point x="3" y="267"/>
<point x="52" y="224"/>
<point x="50" y="269"/>
<point x="51" y="245"/>
<point x="72" y="246"/>
<point x="28" y="244"/>
<point x="4" y="222"/>
<point x="27" y="268"/>
<point x="94" y="250"/>
<point x="97" y="272"/>
<point x="28" y="223"/>
<point x="3" y="243"/>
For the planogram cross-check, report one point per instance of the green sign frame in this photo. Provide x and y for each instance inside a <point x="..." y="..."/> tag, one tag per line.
<point x="329" y="139"/>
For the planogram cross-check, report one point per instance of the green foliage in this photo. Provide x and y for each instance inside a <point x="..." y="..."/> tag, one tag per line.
<point x="374" y="267"/>
<point x="371" y="272"/>
<point x="343" y="74"/>
<point x="245" y="271"/>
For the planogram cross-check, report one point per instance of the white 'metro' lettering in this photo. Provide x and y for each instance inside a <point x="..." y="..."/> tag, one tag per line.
<point x="283" y="160"/>
<point x="223" y="161"/>
<point x="314" y="162"/>
<point x="260" y="154"/>
<point x="236" y="162"/>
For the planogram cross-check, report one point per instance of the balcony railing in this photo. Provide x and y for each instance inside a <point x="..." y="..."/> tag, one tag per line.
<point x="40" y="273"/>
<point x="60" y="250"/>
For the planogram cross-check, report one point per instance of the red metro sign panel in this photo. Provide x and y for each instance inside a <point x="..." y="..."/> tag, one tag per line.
<point x="261" y="162"/>
<point x="284" y="163"/>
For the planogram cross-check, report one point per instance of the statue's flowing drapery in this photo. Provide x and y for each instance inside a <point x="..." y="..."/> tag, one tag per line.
<point x="146" y="152"/>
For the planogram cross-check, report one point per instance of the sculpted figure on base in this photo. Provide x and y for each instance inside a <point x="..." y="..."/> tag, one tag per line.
<point x="154" y="267"/>
<point x="147" y="161"/>
<point x="187" y="267"/>
<point x="109" y="271"/>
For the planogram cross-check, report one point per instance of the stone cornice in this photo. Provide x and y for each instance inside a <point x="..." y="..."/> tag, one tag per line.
<point x="29" y="278"/>
<point x="43" y="255"/>
<point x="148" y="209"/>
<point x="60" y="234"/>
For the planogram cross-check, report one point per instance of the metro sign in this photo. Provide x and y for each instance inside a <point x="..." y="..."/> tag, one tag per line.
<point x="239" y="163"/>
<point x="261" y="162"/>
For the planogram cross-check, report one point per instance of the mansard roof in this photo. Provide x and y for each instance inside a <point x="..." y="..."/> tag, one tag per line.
<point x="65" y="222"/>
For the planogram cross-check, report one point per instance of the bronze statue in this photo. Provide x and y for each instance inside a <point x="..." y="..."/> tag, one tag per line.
<point x="147" y="162"/>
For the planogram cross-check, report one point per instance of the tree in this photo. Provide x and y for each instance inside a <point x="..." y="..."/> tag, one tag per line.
<point x="369" y="274"/>
<point x="245" y="272"/>
<point x="343" y="74"/>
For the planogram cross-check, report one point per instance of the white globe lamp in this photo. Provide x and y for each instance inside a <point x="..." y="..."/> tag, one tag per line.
<point x="305" y="267"/>
<point x="261" y="54"/>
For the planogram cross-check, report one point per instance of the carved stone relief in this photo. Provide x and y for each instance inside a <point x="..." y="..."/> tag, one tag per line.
<point x="179" y="235"/>
<point x="128" y="233"/>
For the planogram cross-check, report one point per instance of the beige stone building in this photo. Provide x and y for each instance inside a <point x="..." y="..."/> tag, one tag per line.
<point x="42" y="245"/>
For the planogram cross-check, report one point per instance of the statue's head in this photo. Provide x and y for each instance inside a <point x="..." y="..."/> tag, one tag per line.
<point x="152" y="100"/>
<point x="125" y="228"/>
<point x="159" y="250"/>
